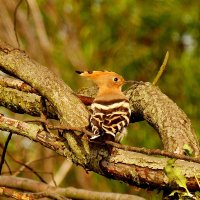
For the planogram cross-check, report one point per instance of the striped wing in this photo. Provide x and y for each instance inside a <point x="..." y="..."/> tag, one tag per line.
<point x="109" y="118"/>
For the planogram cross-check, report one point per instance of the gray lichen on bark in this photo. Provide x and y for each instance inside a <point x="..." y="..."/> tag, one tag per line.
<point x="46" y="82"/>
<point x="20" y="102"/>
<point x="127" y="166"/>
<point x="171" y="123"/>
<point x="147" y="101"/>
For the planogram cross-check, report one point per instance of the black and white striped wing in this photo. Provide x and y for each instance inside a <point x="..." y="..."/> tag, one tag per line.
<point x="109" y="117"/>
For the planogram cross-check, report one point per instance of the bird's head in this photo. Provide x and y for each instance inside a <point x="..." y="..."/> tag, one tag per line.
<point x="104" y="79"/>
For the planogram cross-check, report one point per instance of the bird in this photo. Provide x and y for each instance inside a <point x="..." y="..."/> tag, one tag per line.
<point x="110" y="110"/>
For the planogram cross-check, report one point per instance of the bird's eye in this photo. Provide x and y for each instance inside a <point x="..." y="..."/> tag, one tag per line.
<point x="115" y="79"/>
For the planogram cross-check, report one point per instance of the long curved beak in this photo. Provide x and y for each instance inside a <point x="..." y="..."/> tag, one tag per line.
<point x="130" y="81"/>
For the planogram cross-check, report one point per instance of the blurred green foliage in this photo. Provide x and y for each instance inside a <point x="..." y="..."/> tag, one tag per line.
<point x="129" y="37"/>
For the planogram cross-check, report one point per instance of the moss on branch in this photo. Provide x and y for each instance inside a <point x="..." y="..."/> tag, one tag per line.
<point x="147" y="102"/>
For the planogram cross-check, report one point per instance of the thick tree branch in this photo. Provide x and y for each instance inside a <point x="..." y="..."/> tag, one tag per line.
<point x="147" y="101"/>
<point x="46" y="82"/>
<point x="16" y="84"/>
<point x="23" y="102"/>
<point x="37" y="187"/>
<point x="171" y="123"/>
<point x="20" y="102"/>
<point x="174" y="137"/>
<point x="125" y="165"/>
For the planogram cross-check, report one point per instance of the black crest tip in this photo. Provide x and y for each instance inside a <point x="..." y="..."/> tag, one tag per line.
<point x="79" y="72"/>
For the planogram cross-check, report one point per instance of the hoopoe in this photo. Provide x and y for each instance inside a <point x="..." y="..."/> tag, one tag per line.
<point x="110" y="109"/>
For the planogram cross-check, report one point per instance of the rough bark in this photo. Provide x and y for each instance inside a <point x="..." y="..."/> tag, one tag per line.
<point x="21" y="102"/>
<point x="16" y="62"/>
<point x="70" y="192"/>
<point x="125" y="165"/>
<point x="24" y="102"/>
<point x="147" y="101"/>
<point x="170" y="122"/>
<point x="11" y="82"/>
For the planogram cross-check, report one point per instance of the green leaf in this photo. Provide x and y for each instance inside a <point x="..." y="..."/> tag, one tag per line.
<point x="182" y="195"/>
<point x="197" y="194"/>
<point x="175" y="175"/>
<point x="188" y="150"/>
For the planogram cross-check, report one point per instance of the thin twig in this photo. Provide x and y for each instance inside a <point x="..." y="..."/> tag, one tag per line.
<point x="9" y="169"/>
<point x="39" y="24"/>
<point x="197" y="181"/>
<point x="28" y="163"/>
<point x="25" y="165"/>
<point x="30" y="168"/>
<point x="61" y="173"/>
<point x="36" y="160"/>
<point x="15" y="19"/>
<point x="4" y="151"/>
<point x="6" y="163"/>
<point x="157" y="152"/>
<point x="51" y="174"/>
<point x="70" y="128"/>
<point x="60" y="127"/>
<point x="162" y="69"/>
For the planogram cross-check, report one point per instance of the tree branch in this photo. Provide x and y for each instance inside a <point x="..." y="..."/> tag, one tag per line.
<point x="172" y="139"/>
<point x="4" y="151"/>
<point x="170" y="122"/>
<point x="23" y="102"/>
<point x="17" y="84"/>
<point x="70" y="192"/>
<point x="28" y="196"/>
<point x="113" y="162"/>
<point x="16" y="62"/>
<point x="147" y="102"/>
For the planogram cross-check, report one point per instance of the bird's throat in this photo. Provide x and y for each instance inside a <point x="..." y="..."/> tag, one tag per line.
<point x="109" y="94"/>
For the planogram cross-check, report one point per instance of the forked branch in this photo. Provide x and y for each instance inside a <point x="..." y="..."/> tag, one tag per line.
<point x="147" y="102"/>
